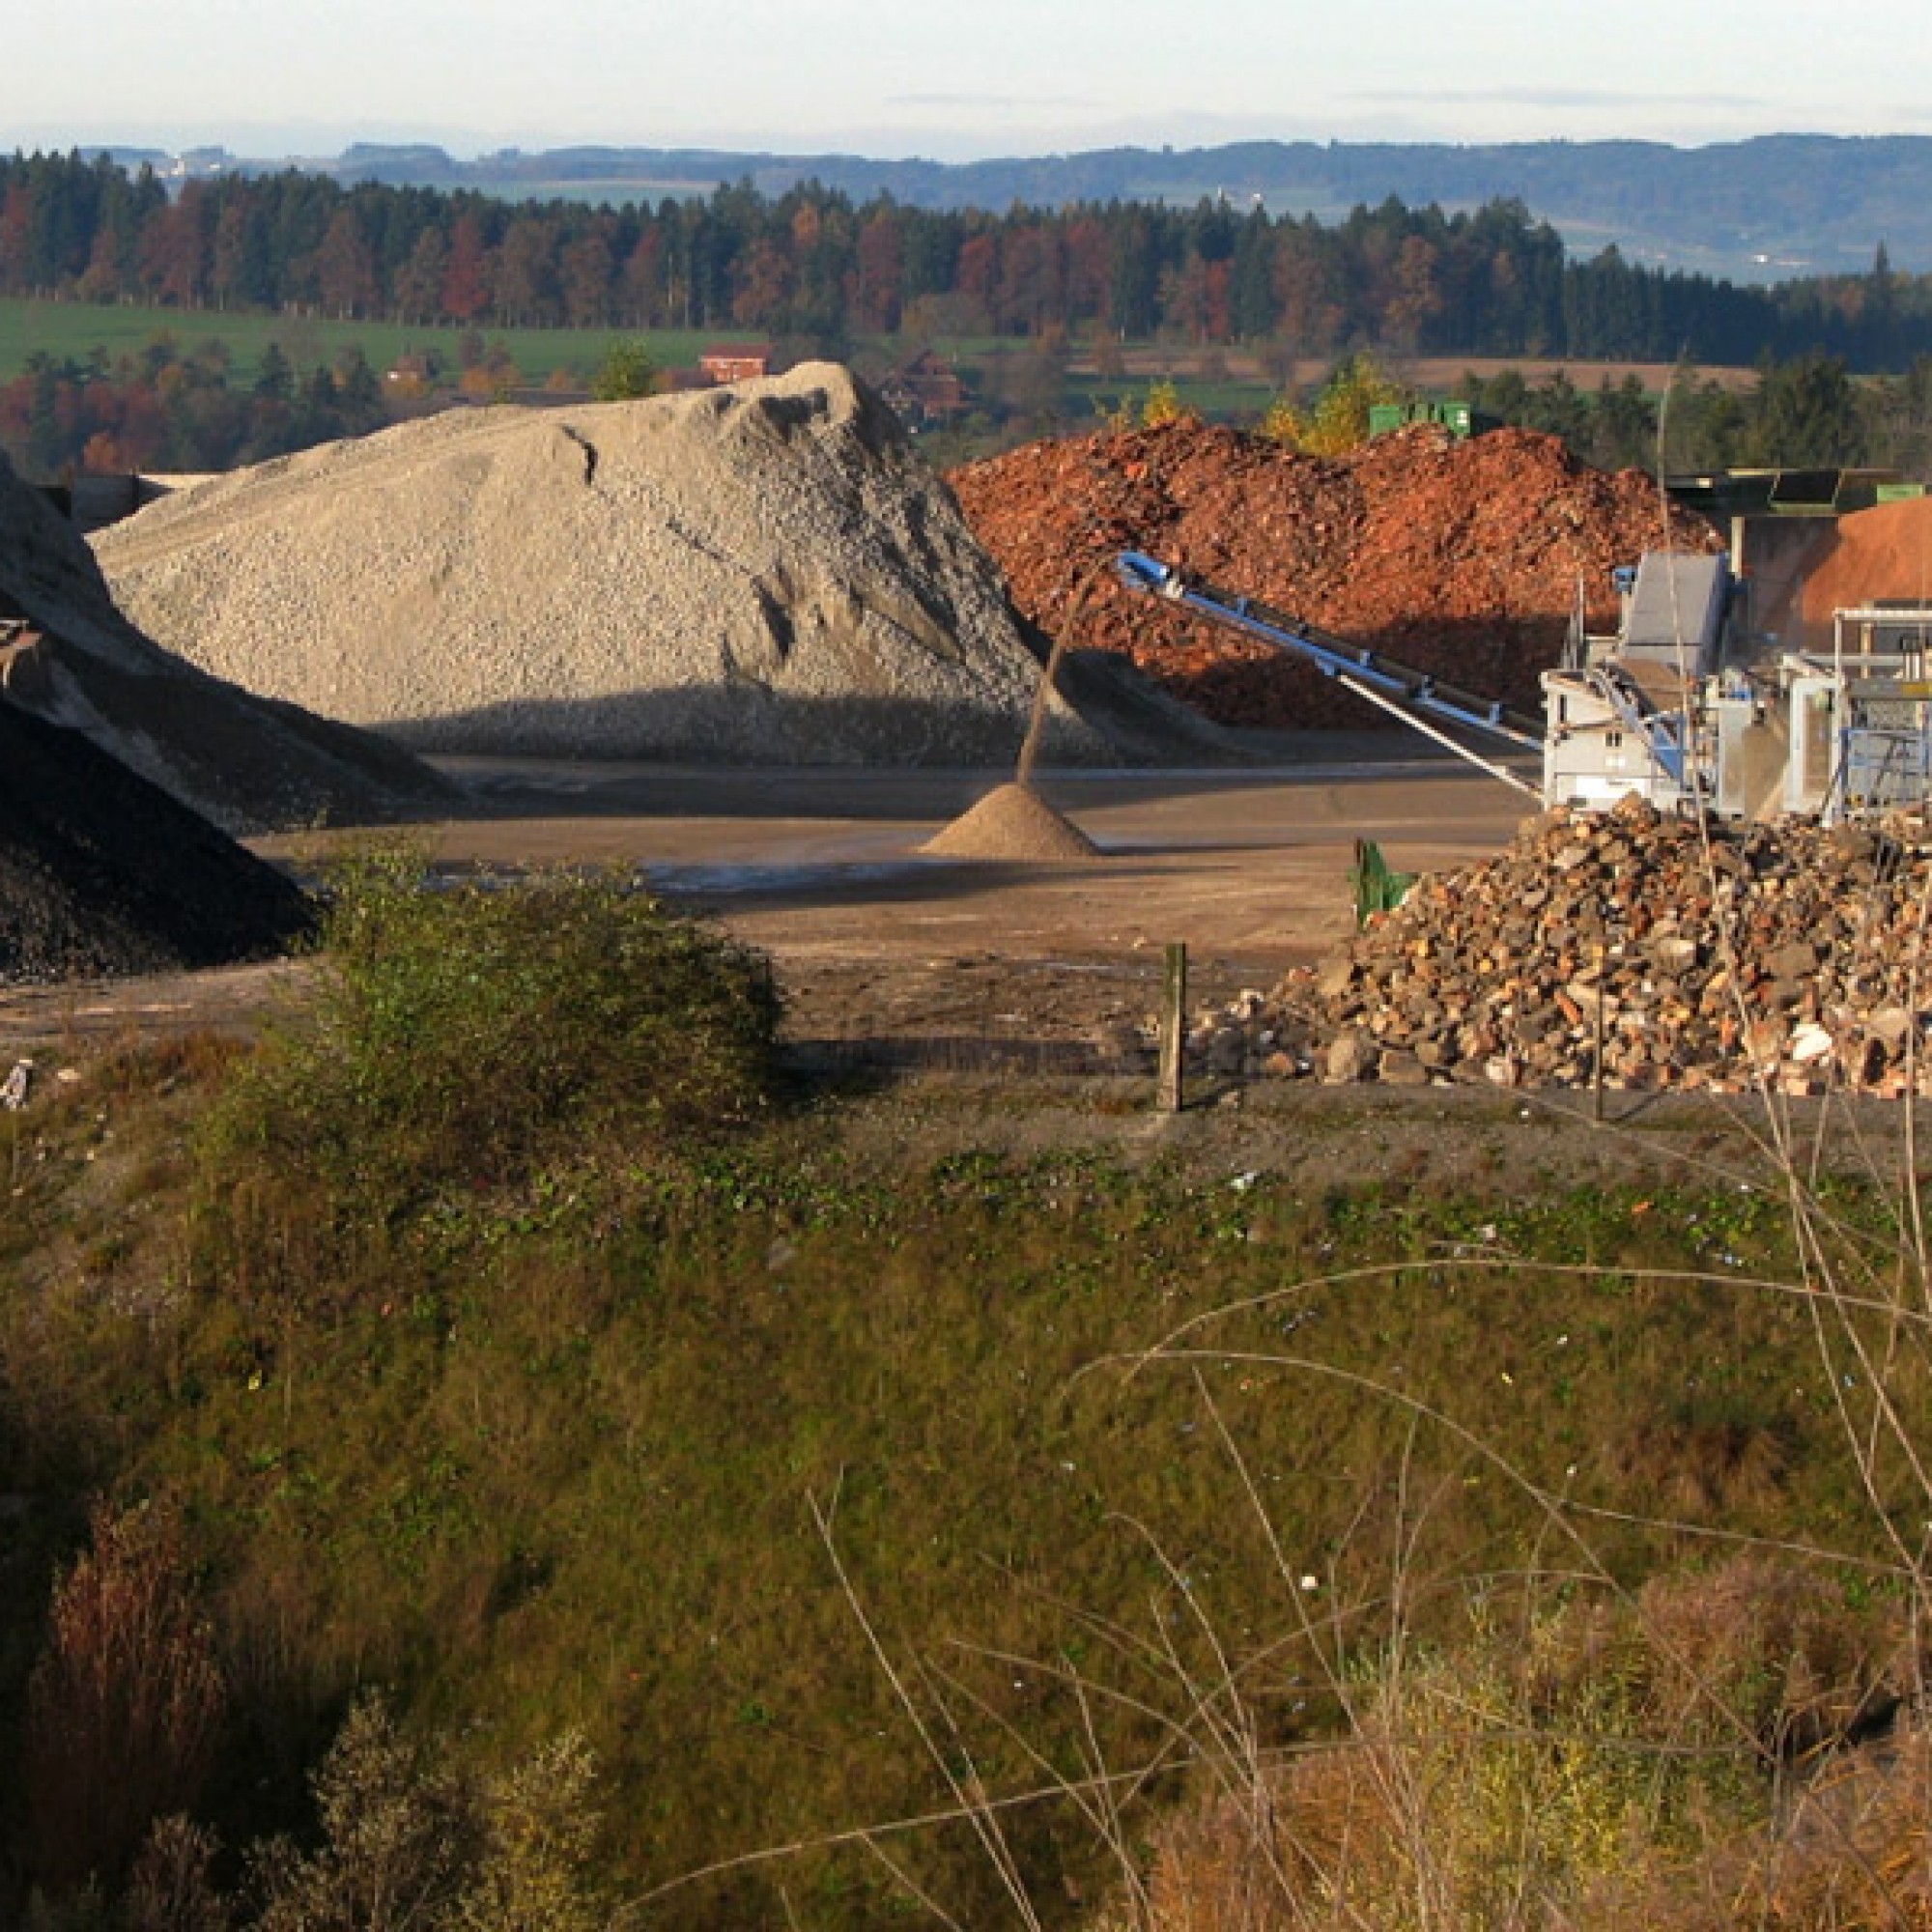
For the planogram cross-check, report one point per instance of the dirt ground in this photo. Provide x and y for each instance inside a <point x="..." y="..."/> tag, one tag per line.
<point x="875" y="942"/>
<point x="991" y="1003"/>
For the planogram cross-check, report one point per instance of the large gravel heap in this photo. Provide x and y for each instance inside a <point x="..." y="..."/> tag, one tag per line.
<point x="1461" y="558"/>
<point x="246" y="764"/>
<point x="1784" y="954"/>
<point x="763" y="573"/>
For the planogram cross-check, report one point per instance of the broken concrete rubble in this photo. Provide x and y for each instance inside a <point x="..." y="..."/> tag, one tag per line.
<point x="1647" y="952"/>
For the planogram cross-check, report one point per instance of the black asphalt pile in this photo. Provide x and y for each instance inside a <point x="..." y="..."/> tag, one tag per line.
<point x="1787" y="955"/>
<point x="102" y="873"/>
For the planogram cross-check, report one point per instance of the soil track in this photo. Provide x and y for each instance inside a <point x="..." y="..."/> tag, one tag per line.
<point x="971" y="971"/>
<point x="877" y="942"/>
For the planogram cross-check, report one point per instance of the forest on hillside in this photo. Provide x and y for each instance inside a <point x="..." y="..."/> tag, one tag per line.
<point x="811" y="262"/>
<point x="1843" y="366"/>
<point x="1758" y="209"/>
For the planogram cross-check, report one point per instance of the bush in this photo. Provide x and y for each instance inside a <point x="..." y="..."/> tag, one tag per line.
<point x="408" y="1839"/>
<point x="626" y="373"/>
<point x="400" y="1831"/>
<point x="1619" y="1763"/>
<point x="474" y="1035"/>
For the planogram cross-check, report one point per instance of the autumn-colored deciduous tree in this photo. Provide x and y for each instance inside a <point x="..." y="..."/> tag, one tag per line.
<point x="419" y="282"/>
<point x="1339" y="420"/>
<point x="584" y="272"/>
<point x="467" y="279"/>
<point x="172" y="259"/>
<point x="767" y="280"/>
<point x="881" y="277"/>
<point x="527" y="285"/>
<point x="124" y="1705"/>
<point x="345" y="271"/>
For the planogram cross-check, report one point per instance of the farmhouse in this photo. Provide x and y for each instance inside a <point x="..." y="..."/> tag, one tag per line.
<point x="926" y="393"/>
<point x="737" y="361"/>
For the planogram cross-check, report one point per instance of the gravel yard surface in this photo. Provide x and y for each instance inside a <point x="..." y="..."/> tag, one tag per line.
<point x="999" y="1004"/>
<point x="885" y="948"/>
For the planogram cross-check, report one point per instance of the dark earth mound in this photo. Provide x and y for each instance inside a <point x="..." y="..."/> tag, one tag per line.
<point x="102" y="873"/>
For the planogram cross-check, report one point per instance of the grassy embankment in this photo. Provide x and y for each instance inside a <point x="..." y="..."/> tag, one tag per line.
<point x="511" y="1338"/>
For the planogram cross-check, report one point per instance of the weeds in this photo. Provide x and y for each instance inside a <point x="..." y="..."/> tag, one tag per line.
<point x="125" y="1705"/>
<point x="561" y="1478"/>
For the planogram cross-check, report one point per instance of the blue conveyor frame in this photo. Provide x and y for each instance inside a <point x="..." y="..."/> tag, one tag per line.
<point x="1416" y="698"/>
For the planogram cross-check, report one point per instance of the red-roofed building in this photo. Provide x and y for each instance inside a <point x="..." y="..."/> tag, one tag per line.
<point x="737" y="361"/>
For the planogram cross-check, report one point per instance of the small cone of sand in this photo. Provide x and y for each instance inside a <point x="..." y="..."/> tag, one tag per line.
<point x="1012" y="823"/>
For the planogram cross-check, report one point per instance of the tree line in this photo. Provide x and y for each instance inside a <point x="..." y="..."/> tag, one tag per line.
<point x="813" y="265"/>
<point x="169" y="409"/>
<point x="1806" y="411"/>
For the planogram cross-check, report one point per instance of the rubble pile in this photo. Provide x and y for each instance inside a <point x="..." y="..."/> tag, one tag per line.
<point x="1787" y="955"/>
<point x="102" y="873"/>
<point x="1460" y="558"/>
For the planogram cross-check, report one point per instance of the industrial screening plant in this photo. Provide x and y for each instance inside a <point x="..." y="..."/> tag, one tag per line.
<point x="1685" y="705"/>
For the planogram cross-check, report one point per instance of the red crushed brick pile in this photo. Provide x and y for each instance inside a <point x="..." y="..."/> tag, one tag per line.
<point x="1457" y="557"/>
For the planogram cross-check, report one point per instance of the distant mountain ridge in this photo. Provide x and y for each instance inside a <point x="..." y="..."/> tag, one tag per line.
<point x="1761" y="210"/>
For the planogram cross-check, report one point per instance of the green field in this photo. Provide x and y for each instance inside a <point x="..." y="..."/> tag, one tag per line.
<point x="75" y="329"/>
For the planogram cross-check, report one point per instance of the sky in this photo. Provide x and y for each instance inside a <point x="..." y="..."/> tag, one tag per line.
<point x="953" y="79"/>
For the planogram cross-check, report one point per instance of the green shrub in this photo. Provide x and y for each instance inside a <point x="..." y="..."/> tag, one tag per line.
<point x="470" y="1038"/>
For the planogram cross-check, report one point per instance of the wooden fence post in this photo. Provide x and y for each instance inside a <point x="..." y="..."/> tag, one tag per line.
<point x="1172" y="1028"/>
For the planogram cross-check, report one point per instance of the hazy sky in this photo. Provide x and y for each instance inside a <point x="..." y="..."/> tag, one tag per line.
<point x="970" y="77"/>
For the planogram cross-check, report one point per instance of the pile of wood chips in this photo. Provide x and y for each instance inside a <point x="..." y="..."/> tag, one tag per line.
<point x="1461" y="558"/>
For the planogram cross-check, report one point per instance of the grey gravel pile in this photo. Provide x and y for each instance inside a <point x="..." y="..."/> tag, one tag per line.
<point x="244" y="764"/>
<point x="765" y="573"/>
<point x="1787" y="955"/>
